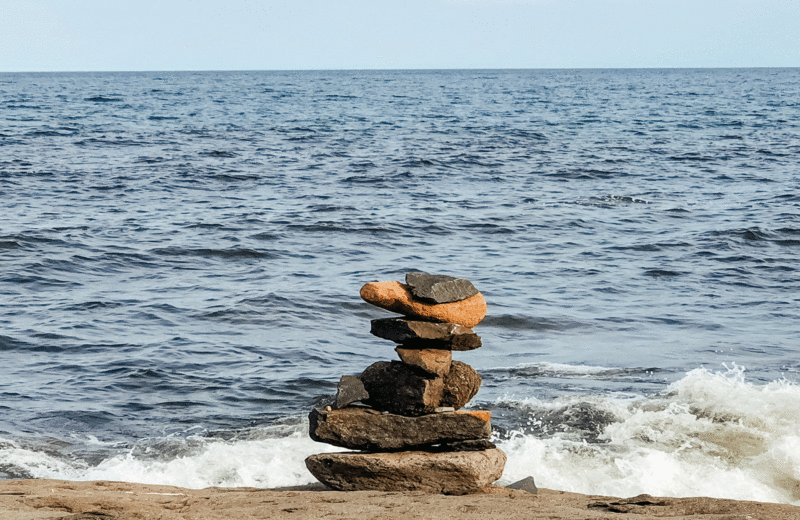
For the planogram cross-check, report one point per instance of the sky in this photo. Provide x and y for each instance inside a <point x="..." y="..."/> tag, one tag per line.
<point x="160" y="35"/>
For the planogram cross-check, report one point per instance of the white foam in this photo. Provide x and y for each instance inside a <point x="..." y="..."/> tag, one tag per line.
<point x="262" y="463"/>
<point x="567" y="370"/>
<point x="712" y="434"/>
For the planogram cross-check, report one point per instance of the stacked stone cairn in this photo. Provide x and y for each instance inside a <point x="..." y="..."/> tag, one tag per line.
<point x="402" y="416"/>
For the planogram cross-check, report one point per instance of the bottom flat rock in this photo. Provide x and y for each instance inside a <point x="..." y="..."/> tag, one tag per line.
<point x="449" y="473"/>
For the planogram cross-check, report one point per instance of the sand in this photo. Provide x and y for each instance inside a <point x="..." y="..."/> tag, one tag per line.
<point x="58" y="499"/>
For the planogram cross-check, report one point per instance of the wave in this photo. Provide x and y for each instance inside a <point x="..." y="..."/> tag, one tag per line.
<point x="709" y="434"/>
<point x="235" y="254"/>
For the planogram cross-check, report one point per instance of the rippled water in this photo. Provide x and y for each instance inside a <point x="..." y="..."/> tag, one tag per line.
<point x="181" y="253"/>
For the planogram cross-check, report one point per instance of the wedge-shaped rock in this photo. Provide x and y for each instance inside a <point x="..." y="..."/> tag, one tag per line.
<point x="401" y="389"/>
<point x="461" y="384"/>
<point x="397" y="297"/>
<point x="449" y="473"/>
<point x="426" y="334"/>
<point x="434" y="362"/>
<point x="349" y="390"/>
<point x="439" y="288"/>
<point x="368" y="430"/>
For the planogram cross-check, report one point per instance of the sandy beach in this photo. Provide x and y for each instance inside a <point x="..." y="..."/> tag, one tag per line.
<point x="58" y="499"/>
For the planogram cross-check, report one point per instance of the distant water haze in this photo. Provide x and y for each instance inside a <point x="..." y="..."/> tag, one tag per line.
<point x="181" y="256"/>
<point x="50" y="35"/>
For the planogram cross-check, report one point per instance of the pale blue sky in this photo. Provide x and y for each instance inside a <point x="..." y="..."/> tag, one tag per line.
<point x="81" y="35"/>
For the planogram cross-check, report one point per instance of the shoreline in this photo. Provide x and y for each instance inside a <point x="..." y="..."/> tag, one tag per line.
<point x="103" y="500"/>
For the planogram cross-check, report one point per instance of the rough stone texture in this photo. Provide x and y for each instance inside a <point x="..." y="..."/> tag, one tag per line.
<point x="367" y="430"/>
<point x="426" y="334"/>
<point x="439" y="288"/>
<point x="401" y="389"/>
<point x="44" y="499"/>
<point x="349" y="390"/>
<point x="448" y="473"/>
<point x="435" y="362"/>
<point x="526" y="484"/>
<point x="460" y="385"/>
<point x="397" y="297"/>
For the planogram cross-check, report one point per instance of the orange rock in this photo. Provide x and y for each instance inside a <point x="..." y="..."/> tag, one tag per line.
<point x="397" y="297"/>
<point x="483" y="415"/>
<point x="430" y="360"/>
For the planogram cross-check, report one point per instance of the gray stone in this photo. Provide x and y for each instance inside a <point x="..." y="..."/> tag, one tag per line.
<point x="439" y="288"/>
<point x="349" y="390"/>
<point x="366" y="430"/>
<point x="426" y="334"/>
<point x="401" y="389"/>
<point x="526" y="484"/>
<point x="460" y="385"/>
<point x="449" y="473"/>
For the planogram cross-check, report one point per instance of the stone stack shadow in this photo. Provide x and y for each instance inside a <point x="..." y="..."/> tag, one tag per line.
<point x="403" y="416"/>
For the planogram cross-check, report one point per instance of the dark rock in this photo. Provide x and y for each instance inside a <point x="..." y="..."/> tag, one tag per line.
<point x="449" y="473"/>
<point x="460" y="385"/>
<point x="363" y="429"/>
<point x="526" y="484"/>
<point x="468" y="445"/>
<point x="426" y="334"/>
<point x="439" y="288"/>
<point x="401" y="389"/>
<point x="349" y="390"/>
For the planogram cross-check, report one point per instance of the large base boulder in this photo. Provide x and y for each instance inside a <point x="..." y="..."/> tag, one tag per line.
<point x="397" y="297"/>
<point x="368" y="430"/>
<point x="449" y="473"/>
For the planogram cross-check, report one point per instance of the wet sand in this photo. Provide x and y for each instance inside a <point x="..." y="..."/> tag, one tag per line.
<point x="58" y="499"/>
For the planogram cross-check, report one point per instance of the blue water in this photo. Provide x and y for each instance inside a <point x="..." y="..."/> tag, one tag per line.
<point x="181" y="256"/>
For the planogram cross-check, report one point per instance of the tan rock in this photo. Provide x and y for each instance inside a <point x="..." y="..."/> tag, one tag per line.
<point x="365" y="429"/>
<point x="436" y="362"/>
<point x="460" y="385"/>
<point x="449" y="473"/>
<point x="397" y="297"/>
<point x="50" y="499"/>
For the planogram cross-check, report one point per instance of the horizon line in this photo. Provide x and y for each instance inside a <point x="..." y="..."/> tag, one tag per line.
<point x="431" y="69"/>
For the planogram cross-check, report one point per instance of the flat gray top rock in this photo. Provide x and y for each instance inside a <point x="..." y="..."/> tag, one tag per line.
<point x="439" y="288"/>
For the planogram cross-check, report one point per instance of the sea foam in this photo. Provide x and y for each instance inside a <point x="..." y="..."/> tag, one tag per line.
<point x="710" y="434"/>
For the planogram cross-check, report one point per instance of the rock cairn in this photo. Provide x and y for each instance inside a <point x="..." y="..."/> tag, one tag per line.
<point x="402" y="416"/>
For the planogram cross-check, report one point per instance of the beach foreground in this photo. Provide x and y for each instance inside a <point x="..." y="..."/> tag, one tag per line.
<point x="59" y="499"/>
